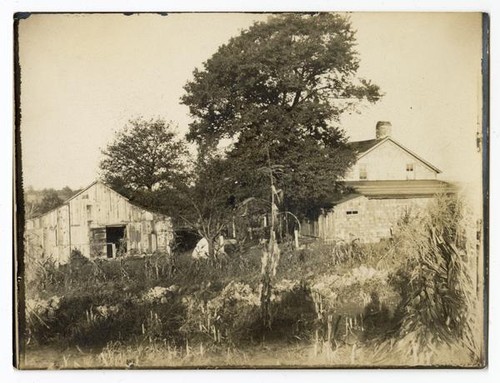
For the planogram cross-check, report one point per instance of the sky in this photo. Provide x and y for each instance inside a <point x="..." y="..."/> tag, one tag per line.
<point x="84" y="76"/>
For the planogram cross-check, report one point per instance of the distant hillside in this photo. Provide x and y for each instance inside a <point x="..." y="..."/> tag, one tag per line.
<point x="41" y="201"/>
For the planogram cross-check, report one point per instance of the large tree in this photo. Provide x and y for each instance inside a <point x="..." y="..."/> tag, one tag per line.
<point x="146" y="156"/>
<point x="280" y="88"/>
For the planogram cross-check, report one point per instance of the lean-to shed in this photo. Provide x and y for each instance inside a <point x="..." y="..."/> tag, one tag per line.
<point x="99" y="222"/>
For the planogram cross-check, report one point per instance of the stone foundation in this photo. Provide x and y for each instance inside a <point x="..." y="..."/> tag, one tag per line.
<point x="363" y="219"/>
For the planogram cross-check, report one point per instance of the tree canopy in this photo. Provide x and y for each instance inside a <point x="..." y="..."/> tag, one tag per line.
<point x="308" y="175"/>
<point x="50" y="200"/>
<point x="281" y="86"/>
<point x="145" y="156"/>
<point x="293" y="71"/>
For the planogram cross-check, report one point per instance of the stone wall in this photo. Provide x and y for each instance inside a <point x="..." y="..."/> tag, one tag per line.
<point x="368" y="220"/>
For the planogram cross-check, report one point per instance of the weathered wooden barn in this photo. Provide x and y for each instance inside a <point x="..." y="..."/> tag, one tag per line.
<point x="389" y="181"/>
<point x="98" y="222"/>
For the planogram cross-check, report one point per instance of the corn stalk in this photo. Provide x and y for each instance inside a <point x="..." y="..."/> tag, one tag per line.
<point x="271" y="253"/>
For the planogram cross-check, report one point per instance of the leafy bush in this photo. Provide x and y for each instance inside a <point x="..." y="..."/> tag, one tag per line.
<point x="41" y="315"/>
<point x="222" y="316"/>
<point x="292" y="311"/>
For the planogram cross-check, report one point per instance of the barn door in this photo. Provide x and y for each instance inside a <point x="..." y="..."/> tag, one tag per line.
<point x="115" y="244"/>
<point x="98" y="242"/>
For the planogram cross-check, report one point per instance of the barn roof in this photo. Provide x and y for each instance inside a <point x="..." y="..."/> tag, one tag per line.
<point x="401" y="188"/>
<point x="87" y="188"/>
<point x="364" y="147"/>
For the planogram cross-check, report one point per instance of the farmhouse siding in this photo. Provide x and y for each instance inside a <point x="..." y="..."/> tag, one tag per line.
<point x="390" y="162"/>
<point x="83" y="221"/>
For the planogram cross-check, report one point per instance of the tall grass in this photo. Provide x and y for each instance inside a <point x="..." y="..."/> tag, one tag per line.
<point x="434" y="266"/>
<point x="410" y="299"/>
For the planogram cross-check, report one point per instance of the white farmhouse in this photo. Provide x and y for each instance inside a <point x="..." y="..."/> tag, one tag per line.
<point x="389" y="181"/>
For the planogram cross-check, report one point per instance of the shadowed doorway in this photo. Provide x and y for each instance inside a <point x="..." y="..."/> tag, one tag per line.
<point x="114" y="241"/>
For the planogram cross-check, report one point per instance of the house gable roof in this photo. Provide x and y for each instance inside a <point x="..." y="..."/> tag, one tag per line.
<point x="363" y="146"/>
<point x="366" y="146"/>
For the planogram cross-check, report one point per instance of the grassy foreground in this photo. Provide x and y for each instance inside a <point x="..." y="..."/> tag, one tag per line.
<point x="269" y="355"/>
<point x="410" y="301"/>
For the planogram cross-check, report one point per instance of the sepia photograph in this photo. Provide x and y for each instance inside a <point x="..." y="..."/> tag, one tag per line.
<point x="251" y="190"/>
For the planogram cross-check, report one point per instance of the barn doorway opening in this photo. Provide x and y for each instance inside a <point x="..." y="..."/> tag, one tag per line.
<point x="115" y="241"/>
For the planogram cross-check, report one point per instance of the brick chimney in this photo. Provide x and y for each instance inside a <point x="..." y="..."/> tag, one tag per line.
<point x="383" y="129"/>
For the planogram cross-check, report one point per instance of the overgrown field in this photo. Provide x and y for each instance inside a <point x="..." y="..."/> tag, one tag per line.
<point x="411" y="300"/>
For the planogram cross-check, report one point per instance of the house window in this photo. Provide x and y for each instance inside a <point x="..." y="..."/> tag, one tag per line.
<point x="410" y="174"/>
<point x="363" y="174"/>
<point x="350" y="212"/>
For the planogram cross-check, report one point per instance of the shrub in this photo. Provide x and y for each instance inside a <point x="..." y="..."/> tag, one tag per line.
<point x="228" y="315"/>
<point x="292" y="311"/>
<point x="41" y="316"/>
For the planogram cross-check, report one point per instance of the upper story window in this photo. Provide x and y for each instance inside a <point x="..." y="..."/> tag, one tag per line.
<point x="410" y="174"/>
<point x="363" y="173"/>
